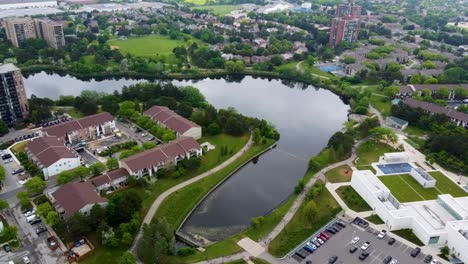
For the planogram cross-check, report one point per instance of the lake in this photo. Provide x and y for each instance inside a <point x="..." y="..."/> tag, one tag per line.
<point x="306" y="117"/>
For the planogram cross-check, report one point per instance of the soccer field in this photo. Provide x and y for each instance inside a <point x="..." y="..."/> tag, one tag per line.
<point x="407" y="189"/>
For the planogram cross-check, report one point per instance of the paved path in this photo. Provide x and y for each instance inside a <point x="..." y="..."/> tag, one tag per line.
<point x="154" y="207"/>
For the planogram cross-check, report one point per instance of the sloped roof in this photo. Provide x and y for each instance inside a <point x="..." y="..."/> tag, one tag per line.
<point x="170" y="119"/>
<point x="67" y="127"/>
<point x="161" y="154"/>
<point x="74" y="196"/>
<point x="437" y="109"/>
<point x="109" y="177"/>
<point x="49" y="150"/>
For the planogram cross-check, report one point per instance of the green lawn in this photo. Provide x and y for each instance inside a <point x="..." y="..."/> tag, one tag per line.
<point x="148" y="46"/>
<point x="415" y="131"/>
<point x="72" y="111"/>
<point x="366" y="167"/>
<point x="200" y="2"/>
<point x="300" y="227"/>
<point x="445" y="185"/>
<point x="209" y="161"/>
<point x="239" y="261"/>
<point x="409" y="235"/>
<point x="352" y="199"/>
<point x="259" y="261"/>
<point x="340" y="174"/>
<point x="382" y="104"/>
<point x="375" y="219"/>
<point x="20" y="147"/>
<point x="219" y="9"/>
<point x="407" y="189"/>
<point x="369" y="152"/>
<point x="316" y="71"/>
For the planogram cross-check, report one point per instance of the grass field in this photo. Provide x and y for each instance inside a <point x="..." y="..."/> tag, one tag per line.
<point x="352" y="199"/>
<point x="209" y="160"/>
<point x="340" y="174"/>
<point x="383" y="104"/>
<point x="300" y="227"/>
<point x="259" y="261"/>
<point x="219" y="9"/>
<point x="375" y="219"/>
<point x="147" y="46"/>
<point x="409" y="235"/>
<point x="407" y="189"/>
<point x="239" y="261"/>
<point x="20" y="147"/>
<point x="369" y="152"/>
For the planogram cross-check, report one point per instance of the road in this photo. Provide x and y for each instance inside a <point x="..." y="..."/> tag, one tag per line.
<point x="154" y="207"/>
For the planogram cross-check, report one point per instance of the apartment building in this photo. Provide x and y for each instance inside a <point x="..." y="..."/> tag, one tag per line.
<point x="18" y="30"/>
<point x="13" y="101"/>
<point x="345" y="25"/>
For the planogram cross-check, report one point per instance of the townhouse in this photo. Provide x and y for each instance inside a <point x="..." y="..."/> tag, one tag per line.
<point x="416" y="89"/>
<point x="181" y="126"/>
<point x="457" y="117"/>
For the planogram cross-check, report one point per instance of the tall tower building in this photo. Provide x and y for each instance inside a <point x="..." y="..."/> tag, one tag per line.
<point x="345" y="25"/>
<point x="18" y="30"/>
<point x="13" y="101"/>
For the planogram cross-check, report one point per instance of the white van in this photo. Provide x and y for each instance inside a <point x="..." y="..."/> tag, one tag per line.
<point x="30" y="218"/>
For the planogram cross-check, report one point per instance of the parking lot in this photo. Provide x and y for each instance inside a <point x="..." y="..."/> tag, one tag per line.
<point x="340" y="244"/>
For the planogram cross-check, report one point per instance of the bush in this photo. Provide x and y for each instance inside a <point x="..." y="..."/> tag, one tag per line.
<point x="186" y="252"/>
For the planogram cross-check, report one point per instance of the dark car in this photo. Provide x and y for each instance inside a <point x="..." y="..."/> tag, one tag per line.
<point x="303" y="252"/>
<point x="309" y="262"/>
<point x="7" y="248"/>
<point x="331" y="231"/>
<point x="340" y="224"/>
<point x="35" y="221"/>
<point x="428" y="259"/>
<point x="391" y="241"/>
<point x="6" y="156"/>
<point x="332" y="259"/>
<point x="17" y="171"/>
<point x="335" y="229"/>
<point x="308" y="249"/>
<point x="352" y="250"/>
<point x="138" y="130"/>
<point x="364" y="255"/>
<point x="387" y="259"/>
<point x="415" y="252"/>
<point x="40" y="229"/>
<point x="296" y="257"/>
<point x="302" y="256"/>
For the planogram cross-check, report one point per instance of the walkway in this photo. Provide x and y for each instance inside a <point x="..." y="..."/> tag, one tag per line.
<point x="154" y="207"/>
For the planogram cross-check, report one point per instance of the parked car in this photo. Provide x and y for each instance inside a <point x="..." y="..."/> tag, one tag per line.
<point x="26" y="260"/>
<point x="340" y="224"/>
<point x="29" y="213"/>
<point x="387" y="259"/>
<point x="308" y="249"/>
<point x="335" y="229"/>
<point x="40" y="230"/>
<point x="303" y="252"/>
<point x="352" y="250"/>
<point x="364" y="255"/>
<point x="7" y="248"/>
<point x="332" y="259"/>
<point x="309" y="262"/>
<point x="35" y="221"/>
<point x="300" y="255"/>
<point x="315" y="242"/>
<point x="415" y="252"/>
<point x="394" y="261"/>
<point x="325" y="235"/>
<point x="52" y="243"/>
<point x="382" y="234"/>
<point x="312" y="245"/>
<point x="434" y="261"/>
<point x="331" y="231"/>
<point x="391" y="241"/>
<point x="355" y="240"/>
<point x="320" y="240"/>
<point x="30" y="218"/>
<point x="324" y="238"/>
<point x="8" y="161"/>
<point x="428" y="259"/>
<point x="365" y="246"/>
<point x="6" y="156"/>
<point x="17" y="171"/>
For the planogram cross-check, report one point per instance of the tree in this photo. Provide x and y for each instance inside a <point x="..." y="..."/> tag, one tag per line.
<point x="391" y="91"/>
<point x="2" y="173"/>
<point x="193" y="96"/>
<point x="126" y="258"/>
<point x="383" y="134"/>
<point x="257" y="221"/>
<point x="64" y="177"/>
<point x="416" y="79"/>
<point x="127" y="109"/>
<point x="257" y="136"/>
<point x="156" y="242"/>
<point x="148" y="145"/>
<point x="97" y="168"/>
<point x="443" y="92"/>
<point x="44" y="208"/>
<point x="234" y="67"/>
<point x="97" y="214"/>
<point x="122" y="206"/>
<point x="110" y="103"/>
<point x="23" y="198"/>
<point x="35" y="185"/>
<point x="81" y="172"/>
<point x="445" y="251"/>
<point x="9" y="232"/>
<point x="3" y="128"/>
<point x="113" y="163"/>
<point x="311" y="210"/>
<point x="52" y="218"/>
<point x="431" y="80"/>
<point x="4" y="204"/>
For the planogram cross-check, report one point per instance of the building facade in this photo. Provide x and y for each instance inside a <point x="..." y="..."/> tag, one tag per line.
<point x="14" y="106"/>
<point x="345" y="25"/>
<point x="18" y="30"/>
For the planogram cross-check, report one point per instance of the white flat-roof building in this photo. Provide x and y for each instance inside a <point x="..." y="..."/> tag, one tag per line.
<point x="439" y="222"/>
<point x="394" y="157"/>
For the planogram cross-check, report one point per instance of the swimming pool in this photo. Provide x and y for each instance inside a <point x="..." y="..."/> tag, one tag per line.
<point x="395" y="168"/>
<point x="330" y="68"/>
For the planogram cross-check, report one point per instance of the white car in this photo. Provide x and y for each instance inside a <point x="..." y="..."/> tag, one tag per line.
<point x="26" y="260"/>
<point x="143" y="134"/>
<point x="355" y="240"/>
<point x="382" y="234"/>
<point x="320" y="240"/>
<point x="394" y="261"/>
<point x="29" y="213"/>
<point x="8" y="161"/>
<point x="365" y="246"/>
<point x="434" y="261"/>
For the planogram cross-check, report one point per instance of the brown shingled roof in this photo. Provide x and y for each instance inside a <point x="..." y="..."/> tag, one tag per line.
<point x="74" y="196"/>
<point x="432" y="87"/>
<point x="170" y="119"/>
<point x="434" y="108"/>
<point x="161" y="154"/>
<point x="109" y="177"/>
<point x="67" y="127"/>
<point x="49" y="150"/>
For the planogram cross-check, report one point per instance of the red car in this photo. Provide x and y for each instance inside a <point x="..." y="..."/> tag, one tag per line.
<point x="325" y="235"/>
<point x="52" y="243"/>
<point x="322" y="237"/>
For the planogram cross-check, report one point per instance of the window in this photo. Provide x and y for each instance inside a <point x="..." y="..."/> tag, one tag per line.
<point x="434" y="240"/>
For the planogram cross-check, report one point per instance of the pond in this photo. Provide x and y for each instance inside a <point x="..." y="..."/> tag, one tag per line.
<point x="305" y="116"/>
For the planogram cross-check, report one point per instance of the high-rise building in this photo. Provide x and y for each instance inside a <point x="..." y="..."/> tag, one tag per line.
<point x="13" y="101"/>
<point x="345" y="25"/>
<point x="18" y="30"/>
